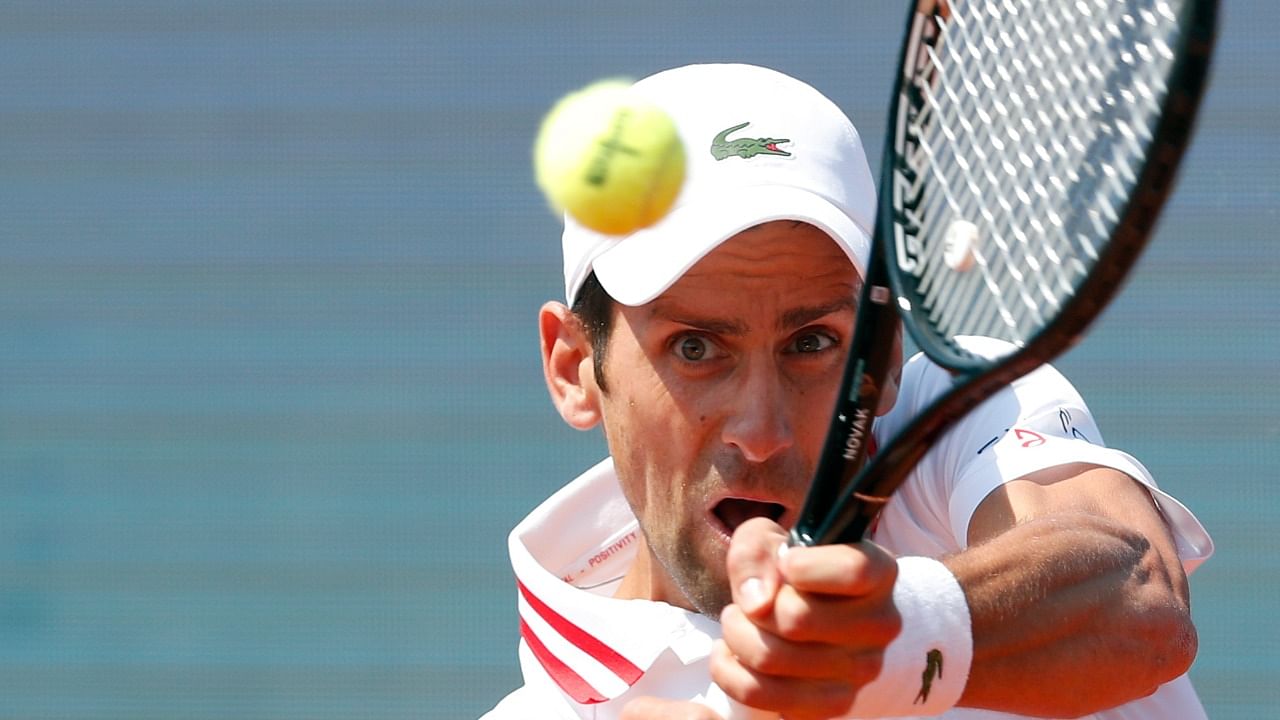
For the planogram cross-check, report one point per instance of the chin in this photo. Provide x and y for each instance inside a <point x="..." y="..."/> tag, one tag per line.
<point x="697" y="567"/>
<point x="712" y="602"/>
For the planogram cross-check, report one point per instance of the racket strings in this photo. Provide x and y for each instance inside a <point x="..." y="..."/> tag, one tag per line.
<point x="1029" y="119"/>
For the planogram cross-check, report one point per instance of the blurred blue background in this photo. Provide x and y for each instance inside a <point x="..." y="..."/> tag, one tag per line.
<point x="269" y="387"/>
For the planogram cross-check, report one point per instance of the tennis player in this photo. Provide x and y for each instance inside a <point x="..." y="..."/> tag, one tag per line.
<point x="1024" y="569"/>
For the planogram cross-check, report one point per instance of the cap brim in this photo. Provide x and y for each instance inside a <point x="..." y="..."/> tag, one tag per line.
<point x="643" y="265"/>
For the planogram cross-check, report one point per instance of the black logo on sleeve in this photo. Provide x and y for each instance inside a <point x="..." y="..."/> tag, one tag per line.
<point x="932" y="669"/>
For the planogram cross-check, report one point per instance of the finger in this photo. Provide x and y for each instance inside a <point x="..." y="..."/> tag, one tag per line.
<point x="849" y="570"/>
<point x="763" y="652"/>
<point x="793" y="698"/>
<point x="651" y="708"/>
<point x="855" y="624"/>
<point x="753" y="564"/>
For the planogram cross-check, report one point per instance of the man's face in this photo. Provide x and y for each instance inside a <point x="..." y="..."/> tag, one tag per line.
<point x="720" y="392"/>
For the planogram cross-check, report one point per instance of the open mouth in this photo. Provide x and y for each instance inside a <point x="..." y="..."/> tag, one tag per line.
<point x="732" y="512"/>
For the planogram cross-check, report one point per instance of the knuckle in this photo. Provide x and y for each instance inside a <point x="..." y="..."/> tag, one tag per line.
<point x="741" y="548"/>
<point x="879" y="559"/>
<point x="792" y="616"/>
<point x="769" y="659"/>
<point x="731" y="619"/>
<point x="863" y="668"/>
<point x="752" y="694"/>
<point x="889" y="623"/>
<point x="888" y="567"/>
<point x="833" y="701"/>
<point x="839" y="702"/>
<point x="750" y="544"/>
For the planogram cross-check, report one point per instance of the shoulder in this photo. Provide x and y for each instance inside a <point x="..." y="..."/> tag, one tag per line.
<point x="1045" y="394"/>
<point x="1005" y="436"/>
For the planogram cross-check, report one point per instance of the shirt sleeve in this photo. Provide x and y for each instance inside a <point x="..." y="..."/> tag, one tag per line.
<point x="1039" y="421"/>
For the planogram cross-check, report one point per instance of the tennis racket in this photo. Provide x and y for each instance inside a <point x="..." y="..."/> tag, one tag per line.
<point x="1031" y="146"/>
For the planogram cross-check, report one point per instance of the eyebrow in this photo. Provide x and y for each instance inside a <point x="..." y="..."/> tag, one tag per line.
<point x="792" y="318"/>
<point x="715" y="326"/>
<point x="805" y="315"/>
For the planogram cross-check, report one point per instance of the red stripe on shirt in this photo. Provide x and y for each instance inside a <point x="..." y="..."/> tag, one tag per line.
<point x="569" y="681"/>
<point x="586" y="642"/>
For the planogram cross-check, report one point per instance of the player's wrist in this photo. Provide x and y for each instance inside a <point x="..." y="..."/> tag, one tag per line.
<point x="926" y="666"/>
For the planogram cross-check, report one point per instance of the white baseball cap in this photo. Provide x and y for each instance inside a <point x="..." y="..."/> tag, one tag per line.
<point x="759" y="146"/>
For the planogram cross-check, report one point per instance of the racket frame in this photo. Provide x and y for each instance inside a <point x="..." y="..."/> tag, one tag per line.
<point x="864" y="489"/>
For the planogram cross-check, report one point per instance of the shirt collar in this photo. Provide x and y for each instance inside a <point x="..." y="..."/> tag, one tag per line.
<point x="569" y="556"/>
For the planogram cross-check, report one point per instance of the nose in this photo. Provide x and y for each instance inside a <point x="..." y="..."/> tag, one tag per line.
<point x="758" y="423"/>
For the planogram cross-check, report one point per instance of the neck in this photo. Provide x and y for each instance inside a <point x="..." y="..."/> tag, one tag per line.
<point x="646" y="579"/>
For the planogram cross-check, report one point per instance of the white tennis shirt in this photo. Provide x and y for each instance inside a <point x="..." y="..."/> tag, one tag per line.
<point x="585" y="654"/>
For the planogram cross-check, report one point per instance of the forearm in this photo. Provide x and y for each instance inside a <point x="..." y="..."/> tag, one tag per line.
<point x="1071" y="613"/>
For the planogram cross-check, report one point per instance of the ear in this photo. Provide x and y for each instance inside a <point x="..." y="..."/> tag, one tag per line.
<point x="567" y="366"/>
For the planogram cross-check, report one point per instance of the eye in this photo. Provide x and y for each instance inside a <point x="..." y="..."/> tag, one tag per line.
<point x="811" y="342"/>
<point x="695" y="348"/>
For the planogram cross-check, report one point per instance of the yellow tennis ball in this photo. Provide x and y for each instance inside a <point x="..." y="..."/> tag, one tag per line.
<point x="609" y="158"/>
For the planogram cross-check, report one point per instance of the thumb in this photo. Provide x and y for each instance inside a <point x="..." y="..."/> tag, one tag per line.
<point x="752" y="561"/>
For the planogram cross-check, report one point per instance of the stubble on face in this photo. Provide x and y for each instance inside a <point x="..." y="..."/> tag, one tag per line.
<point x="696" y="563"/>
<point x="677" y="431"/>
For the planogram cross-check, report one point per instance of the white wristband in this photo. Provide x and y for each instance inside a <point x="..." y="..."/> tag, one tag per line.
<point x="925" y="668"/>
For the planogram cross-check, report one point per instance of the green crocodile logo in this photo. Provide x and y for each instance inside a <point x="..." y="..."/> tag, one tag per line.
<point x="722" y="147"/>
